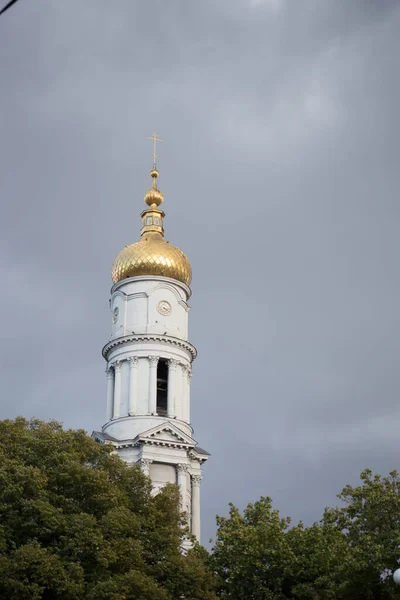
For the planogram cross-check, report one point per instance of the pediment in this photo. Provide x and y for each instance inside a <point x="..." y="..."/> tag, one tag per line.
<point x="167" y="434"/>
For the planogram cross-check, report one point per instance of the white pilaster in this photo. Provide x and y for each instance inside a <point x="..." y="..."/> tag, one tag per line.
<point x="153" y="362"/>
<point x="196" y="479"/>
<point x="133" y="381"/>
<point x="183" y="392"/>
<point x="188" y="374"/>
<point x="117" y="389"/>
<point x="182" y="470"/>
<point x="145" y="465"/>
<point x="172" y="364"/>
<point x="179" y="401"/>
<point x="110" y="393"/>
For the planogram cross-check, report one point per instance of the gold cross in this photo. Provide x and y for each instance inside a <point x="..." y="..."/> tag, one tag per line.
<point x="155" y="140"/>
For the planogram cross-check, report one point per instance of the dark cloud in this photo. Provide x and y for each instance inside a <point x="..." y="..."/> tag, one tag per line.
<point x="280" y="175"/>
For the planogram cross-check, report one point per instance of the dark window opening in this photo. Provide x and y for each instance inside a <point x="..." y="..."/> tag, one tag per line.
<point x="162" y="387"/>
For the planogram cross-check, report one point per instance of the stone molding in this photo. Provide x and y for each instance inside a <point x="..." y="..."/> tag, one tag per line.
<point x="145" y="463"/>
<point x="144" y="337"/>
<point x="133" y="361"/>
<point x="182" y="467"/>
<point x="166" y="280"/>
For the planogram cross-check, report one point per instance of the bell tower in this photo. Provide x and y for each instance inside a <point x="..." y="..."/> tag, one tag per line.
<point x="149" y="360"/>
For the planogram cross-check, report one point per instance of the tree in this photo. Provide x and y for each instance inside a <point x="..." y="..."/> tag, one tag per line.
<point x="370" y="519"/>
<point x="349" y="554"/>
<point x="78" y="523"/>
<point x="252" y="556"/>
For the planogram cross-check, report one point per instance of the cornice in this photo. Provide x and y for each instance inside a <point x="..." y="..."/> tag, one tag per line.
<point x="148" y="337"/>
<point x="136" y="443"/>
<point x="161" y="420"/>
<point x="169" y="280"/>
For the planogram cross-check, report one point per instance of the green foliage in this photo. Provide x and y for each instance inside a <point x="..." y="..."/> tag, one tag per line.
<point x="371" y="520"/>
<point x="349" y="555"/>
<point x="77" y="523"/>
<point x="251" y="556"/>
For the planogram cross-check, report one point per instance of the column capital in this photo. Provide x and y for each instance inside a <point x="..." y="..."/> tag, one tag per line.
<point x="153" y="360"/>
<point x="145" y="463"/>
<point x="173" y="363"/>
<point x="110" y="371"/>
<point x="133" y="361"/>
<point x="182" y="467"/>
<point x="117" y="366"/>
<point x="196" y="480"/>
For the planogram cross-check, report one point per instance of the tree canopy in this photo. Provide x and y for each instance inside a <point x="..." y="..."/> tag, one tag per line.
<point x="78" y="523"/>
<point x="349" y="554"/>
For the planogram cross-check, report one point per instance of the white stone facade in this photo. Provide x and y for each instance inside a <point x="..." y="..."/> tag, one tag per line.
<point x="149" y="366"/>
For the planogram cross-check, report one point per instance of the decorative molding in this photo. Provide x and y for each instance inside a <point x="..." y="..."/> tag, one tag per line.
<point x="136" y="295"/>
<point x="119" y="293"/>
<point x="166" y="280"/>
<point x="164" y="422"/>
<point x="197" y="458"/>
<point x="179" y="436"/>
<point x="162" y="443"/>
<point x="171" y="288"/>
<point x="145" y="463"/>
<point x="138" y="443"/>
<point x="143" y="337"/>
<point x="154" y="437"/>
<point x="196" y="480"/>
<point x="182" y="467"/>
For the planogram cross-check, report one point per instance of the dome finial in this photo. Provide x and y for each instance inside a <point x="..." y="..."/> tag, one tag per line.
<point x="154" y="197"/>
<point x="152" y="255"/>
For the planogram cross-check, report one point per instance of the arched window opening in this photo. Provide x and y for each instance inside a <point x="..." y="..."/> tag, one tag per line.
<point x="162" y="387"/>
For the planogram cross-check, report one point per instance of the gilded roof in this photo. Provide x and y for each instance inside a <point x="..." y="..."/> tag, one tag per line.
<point x="152" y="255"/>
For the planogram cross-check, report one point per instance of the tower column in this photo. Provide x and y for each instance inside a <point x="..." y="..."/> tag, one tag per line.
<point x="182" y="470"/>
<point x="196" y="480"/>
<point x="110" y="392"/>
<point x="133" y="372"/>
<point x="117" y="389"/>
<point x="153" y="362"/>
<point x="171" y="410"/>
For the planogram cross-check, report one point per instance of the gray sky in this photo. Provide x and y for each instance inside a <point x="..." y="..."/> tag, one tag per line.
<point x="281" y="184"/>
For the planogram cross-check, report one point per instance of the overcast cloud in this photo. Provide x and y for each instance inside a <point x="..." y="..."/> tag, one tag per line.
<point x="280" y="170"/>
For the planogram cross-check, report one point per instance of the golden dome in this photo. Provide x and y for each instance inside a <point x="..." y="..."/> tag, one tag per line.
<point x="152" y="255"/>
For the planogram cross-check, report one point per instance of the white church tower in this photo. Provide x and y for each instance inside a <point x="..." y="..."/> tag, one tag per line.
<point x="149" y="361"/>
